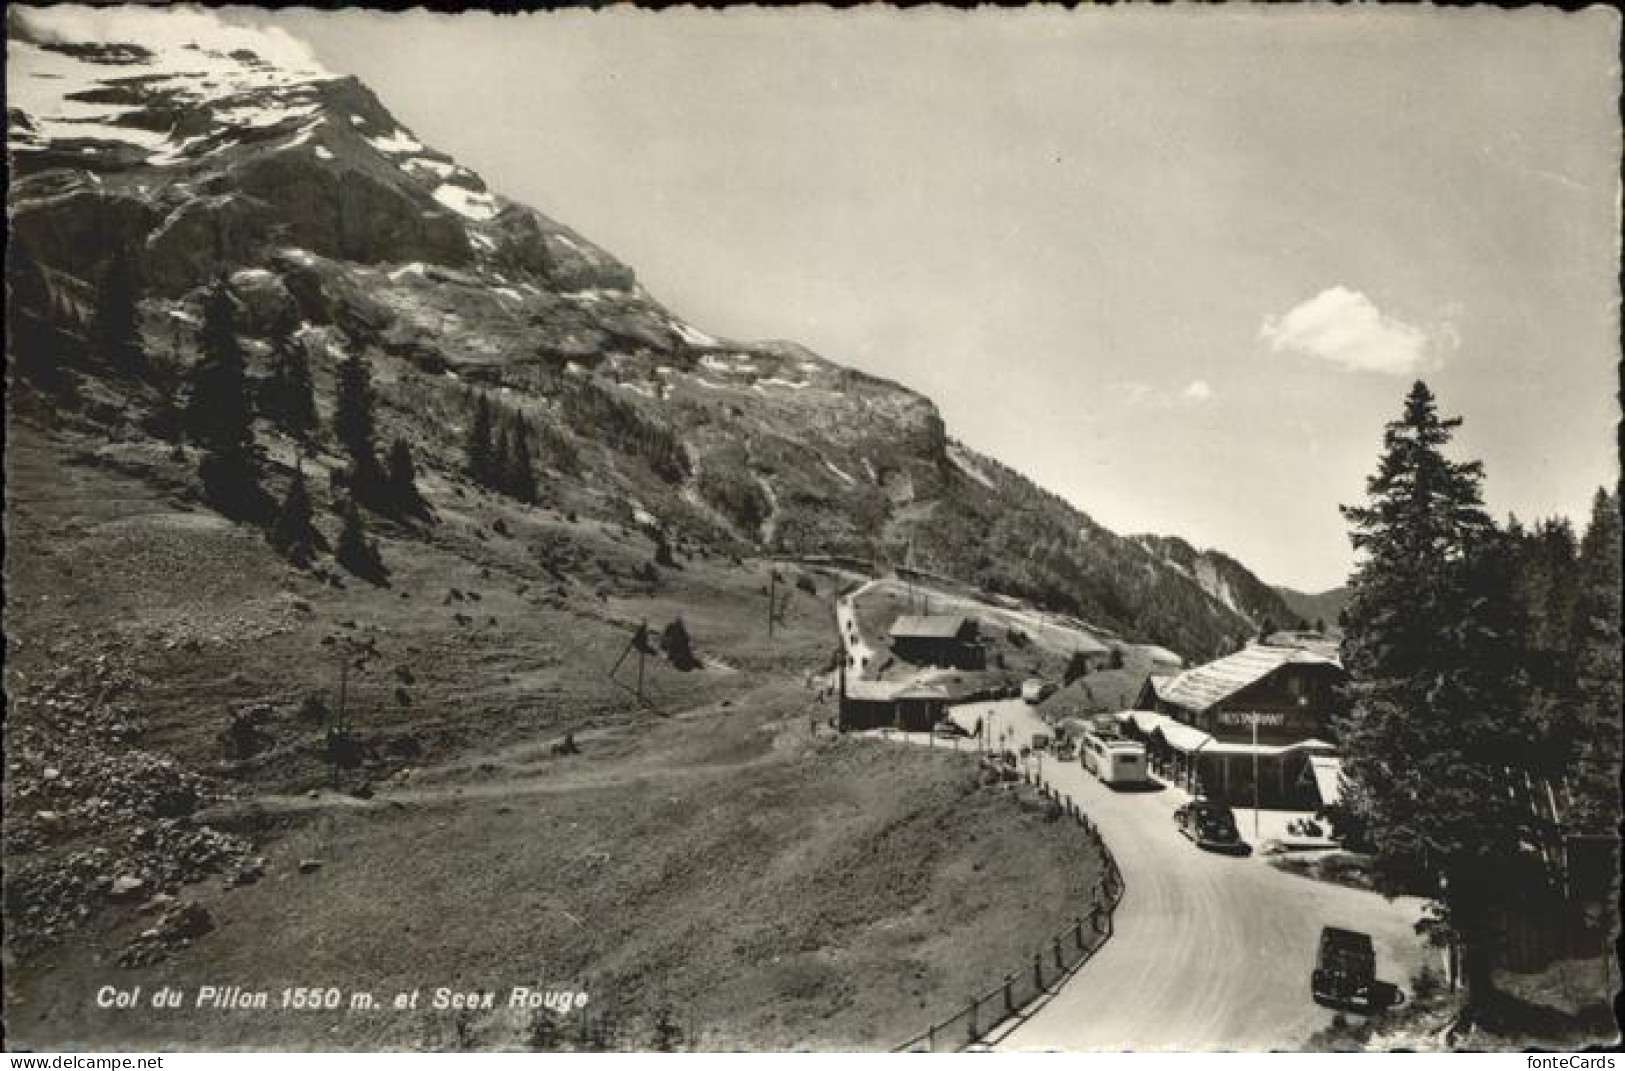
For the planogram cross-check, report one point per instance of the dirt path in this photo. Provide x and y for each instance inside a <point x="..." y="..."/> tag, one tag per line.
<point x="529" y="768"/>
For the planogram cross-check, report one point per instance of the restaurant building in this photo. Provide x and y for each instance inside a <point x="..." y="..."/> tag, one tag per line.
<point x="1265" y="709"/>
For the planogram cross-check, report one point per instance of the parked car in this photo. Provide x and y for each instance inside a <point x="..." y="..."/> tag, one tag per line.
<point x="1209" y="825"/>
<point x="1345" y="971"/>
<point x="1036" y="691"/>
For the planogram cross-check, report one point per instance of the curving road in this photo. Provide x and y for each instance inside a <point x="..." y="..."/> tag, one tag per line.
<point x="1209" y="951"/>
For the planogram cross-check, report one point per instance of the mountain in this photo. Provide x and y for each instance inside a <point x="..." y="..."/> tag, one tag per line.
<point x="1327" y="606"/>
<point x="1223" y="578"/>
<point x="205" y="160"/>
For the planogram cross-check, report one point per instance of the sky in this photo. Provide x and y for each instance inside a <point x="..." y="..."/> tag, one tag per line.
<point x="1177" y="264"/>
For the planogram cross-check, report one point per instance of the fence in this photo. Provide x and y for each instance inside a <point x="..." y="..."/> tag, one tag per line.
<point x="1064" y="953"/>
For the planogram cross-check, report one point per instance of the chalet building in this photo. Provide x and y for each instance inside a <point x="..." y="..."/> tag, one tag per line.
<point x="889" y="705"/>
<point x="938" y="640"/>
<point x="1266" y="708"/>
<point x="1096" y="655"/>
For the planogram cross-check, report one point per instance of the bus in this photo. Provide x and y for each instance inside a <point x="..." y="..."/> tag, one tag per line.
<point x="1112" y="759"/>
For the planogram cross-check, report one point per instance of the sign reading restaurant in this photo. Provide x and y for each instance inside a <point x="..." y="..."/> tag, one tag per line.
<point x="1238" y="717"/>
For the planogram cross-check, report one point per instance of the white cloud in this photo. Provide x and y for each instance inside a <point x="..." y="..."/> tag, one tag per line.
<point x="1344" y="326"/>
<point x="1198" y="391"/>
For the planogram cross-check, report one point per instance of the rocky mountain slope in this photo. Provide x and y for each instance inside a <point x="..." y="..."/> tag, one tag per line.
<point x="1223" y="578"/>
<point x="300" y="187"/>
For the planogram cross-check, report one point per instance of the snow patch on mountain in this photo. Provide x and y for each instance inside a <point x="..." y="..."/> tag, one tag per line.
<point x="467" y="203"/>
<point x="396" y="142"/>
<point x="70" y="84"/>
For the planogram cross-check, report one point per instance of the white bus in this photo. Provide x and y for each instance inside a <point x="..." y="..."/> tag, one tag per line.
<point x="1114" y="760"/>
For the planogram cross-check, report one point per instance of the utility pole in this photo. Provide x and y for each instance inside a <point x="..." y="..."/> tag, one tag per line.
<point x="1254" y="720"/>
<point x="640" y="644"/>
<point x="643" y="632"/>
<point x="772" y="599"/>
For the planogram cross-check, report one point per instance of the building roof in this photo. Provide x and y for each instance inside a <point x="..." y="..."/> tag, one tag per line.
<point x="1182" y="737"/>
<point x="1160" y="654"/>
<point x="1328" y="778"/>
<point x="928" y="626"/>
<point x="873" y="691"/>
<point x="1178" y="735"/>
<point x="886" y="691"/>
<point x="1205" y="686"/>
<point x="1088" y="645"/>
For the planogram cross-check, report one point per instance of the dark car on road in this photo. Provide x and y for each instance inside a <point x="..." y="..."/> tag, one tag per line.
<point x="1210" y="825"/>
<point x="1345" y="973"/>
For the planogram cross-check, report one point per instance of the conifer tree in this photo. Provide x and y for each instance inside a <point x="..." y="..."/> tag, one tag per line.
<point x="218" y="418"/>
<point x="481" y="455"/>
<point x="355" y="551"/>
<point x="293" y="534"/>
<point x="401" y="480"/>
<point x="293" y="400"/>
<point x="679" y="648"/>
<point x="118" y="331"/>
<point x="35" y="316"/>
<point x="354" y="429"/>
<point x="502" y="451"/>
<point x="1599" y="670"/>
<point x="1438" y="724"/>
<point x="519" y="469"/>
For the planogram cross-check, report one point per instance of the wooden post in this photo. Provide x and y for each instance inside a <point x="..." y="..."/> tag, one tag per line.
<point x="971" y="1026"/>
<point x="644" y="630"/>
<point x="1009" y="994"/>
<point x="1038" y="970"/>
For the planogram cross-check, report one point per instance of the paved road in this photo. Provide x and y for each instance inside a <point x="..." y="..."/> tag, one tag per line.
<point x="1209" y="951"/>
<point x="864" y="658"/>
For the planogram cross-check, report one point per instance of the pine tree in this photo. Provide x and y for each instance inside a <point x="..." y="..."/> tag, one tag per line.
<point x="35" y="317"/>
<point x="1598" y="668"/>
<point x="218" y="418"/>
<point x="1438" y="723"/>
<point x="292" y="391"/>
<point x="674" y="640"/>
<point x="502" y="454"/>
<point x="355" y="551"/>
<point x="480" y="448"/>
<point x="519" y="468"/>
<point x="118" y="330"/>
<point x="354" y="428"/>
<point x="293" y="534"/>
<point x="352" y="407"/>
<point x="401" y="480"/>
